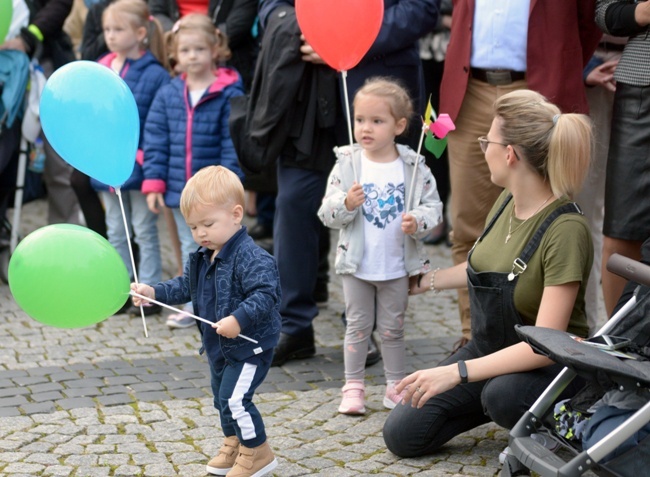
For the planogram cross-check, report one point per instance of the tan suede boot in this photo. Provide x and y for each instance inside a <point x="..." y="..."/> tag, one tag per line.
<point x="225" y="459"/>
<point x="254" y="462"/>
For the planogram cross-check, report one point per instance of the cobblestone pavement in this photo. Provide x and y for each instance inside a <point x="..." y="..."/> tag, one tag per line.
<point x="106" y="401"/>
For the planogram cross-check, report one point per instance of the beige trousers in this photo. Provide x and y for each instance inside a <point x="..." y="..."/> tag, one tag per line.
<point x="472" y="191"/>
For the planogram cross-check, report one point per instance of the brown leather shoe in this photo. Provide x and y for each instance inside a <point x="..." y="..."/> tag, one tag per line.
<point x="225" y="459"/>
<point x="254" y="462"/>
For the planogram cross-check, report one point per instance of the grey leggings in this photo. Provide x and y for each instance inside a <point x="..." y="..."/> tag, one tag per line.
<point x="365" y="302"/>
<point x="410" y="432"/>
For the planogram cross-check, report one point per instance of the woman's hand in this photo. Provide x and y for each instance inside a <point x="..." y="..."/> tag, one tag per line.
<point x="424" y="384"/>
<point x="444" y="279"/>
<point x="419" y="284"/>
<point x="603" y="75"/>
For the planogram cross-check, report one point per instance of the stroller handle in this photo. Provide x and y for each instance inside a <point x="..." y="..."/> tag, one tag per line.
<point x="629" y="269"/>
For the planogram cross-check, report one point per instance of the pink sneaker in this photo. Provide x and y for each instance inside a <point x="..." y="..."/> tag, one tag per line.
<point x="391" y="398"/>
<point x="353" y="401"/>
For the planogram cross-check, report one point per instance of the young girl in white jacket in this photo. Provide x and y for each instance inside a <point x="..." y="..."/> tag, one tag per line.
<point x="379" y="247"/>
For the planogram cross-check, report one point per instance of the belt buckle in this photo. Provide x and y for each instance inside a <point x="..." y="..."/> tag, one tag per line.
<point x="498" y="77"/>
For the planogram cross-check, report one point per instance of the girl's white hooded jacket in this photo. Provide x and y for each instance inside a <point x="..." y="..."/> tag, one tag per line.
<point x="426" y="208"/>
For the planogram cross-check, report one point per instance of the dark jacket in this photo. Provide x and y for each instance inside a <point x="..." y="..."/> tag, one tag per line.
<point x="235" y="18"/>
<point x="49" y="16"/>
<point x="180" y="139"/>
<point x="395" y="51"/>
<point x="144" y="77"/>
<point x="247" y="286"/>
<point x="93" y="44"/>
<point x="292" y="107"/>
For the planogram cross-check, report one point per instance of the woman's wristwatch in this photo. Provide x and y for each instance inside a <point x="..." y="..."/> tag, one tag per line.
<point x="462" y="371"/>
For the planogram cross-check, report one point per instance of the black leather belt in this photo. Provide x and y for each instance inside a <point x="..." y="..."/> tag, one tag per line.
<point x="497" y="77"/>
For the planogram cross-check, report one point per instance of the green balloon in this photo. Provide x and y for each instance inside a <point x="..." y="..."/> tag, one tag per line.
<point x="6" y="12"/>
<point x="67" y="276"/>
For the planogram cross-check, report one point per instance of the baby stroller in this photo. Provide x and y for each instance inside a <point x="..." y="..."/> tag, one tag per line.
<point x="14" y="80"/>
<point x="624" y="449"/>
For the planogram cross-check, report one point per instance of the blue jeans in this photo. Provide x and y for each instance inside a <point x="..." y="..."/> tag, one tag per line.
<point x="144" y="224"/>
<point x="188" y="245"/>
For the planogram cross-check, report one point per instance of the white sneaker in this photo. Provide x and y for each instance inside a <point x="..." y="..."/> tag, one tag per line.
<point x="180" y="320"/>
<point x="391" y="398"/>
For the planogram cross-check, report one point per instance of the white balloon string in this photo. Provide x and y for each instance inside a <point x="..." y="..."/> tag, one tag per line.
<point x="118" y="191"/>
<point x="185" y="313"/>
<point x="344" y="74"/>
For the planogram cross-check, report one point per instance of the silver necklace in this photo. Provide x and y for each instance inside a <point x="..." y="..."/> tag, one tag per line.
<point x="510" y="231"/>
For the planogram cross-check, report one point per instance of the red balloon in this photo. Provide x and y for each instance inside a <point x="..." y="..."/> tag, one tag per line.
<point x="340" y="31"/>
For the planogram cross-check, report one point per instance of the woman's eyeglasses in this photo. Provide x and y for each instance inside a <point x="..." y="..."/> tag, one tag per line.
<point x="483" y="142"/>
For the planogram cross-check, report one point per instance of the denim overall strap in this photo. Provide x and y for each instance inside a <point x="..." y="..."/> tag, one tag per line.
<point x="520" y="263"/>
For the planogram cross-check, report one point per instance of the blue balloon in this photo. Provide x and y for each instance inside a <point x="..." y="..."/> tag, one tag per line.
<point x="90" y="118"/>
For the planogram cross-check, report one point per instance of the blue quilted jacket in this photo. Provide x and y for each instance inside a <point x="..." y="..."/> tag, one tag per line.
<point x="144" y="77"/>
<point x="180" y="139"/>
<point x="247" y="286"/>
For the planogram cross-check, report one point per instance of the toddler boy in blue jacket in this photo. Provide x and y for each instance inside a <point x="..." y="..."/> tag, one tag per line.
<point x="233" y="283"/>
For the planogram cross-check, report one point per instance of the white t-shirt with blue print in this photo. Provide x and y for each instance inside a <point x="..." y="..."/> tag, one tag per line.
<point x="383" y="247"/>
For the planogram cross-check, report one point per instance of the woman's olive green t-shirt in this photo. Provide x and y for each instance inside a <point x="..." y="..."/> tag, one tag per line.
<point x="564" y="255"/>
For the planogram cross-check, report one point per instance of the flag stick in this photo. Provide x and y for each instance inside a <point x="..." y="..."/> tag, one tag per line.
<point x="415" y="167"/>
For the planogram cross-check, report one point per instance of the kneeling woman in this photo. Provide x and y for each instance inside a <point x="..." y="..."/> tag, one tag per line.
<point x="530" y="266"/>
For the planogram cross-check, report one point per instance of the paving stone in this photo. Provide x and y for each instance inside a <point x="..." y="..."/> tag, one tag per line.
<point x="127" y="471"/>
<point x="64" y="376"/>
<point x="12" y="373"/>
<point x="45" y="387"/>
<point x="84" y="383"/>
<point x="122" y="380"/>
<point x="81" y="392"/>
<point x="30" y="380"/>
<point x="38" y="408"/>
<point x="152" y="396"/>
<point x="12" y="401"/>
<point x="130" y="371"/>
<point x="115" y="390"/>
<point x="97" y="373"/>
<point x="186" y="393"/>
<point x="44" y="370"/>
<point x="13" y="391"/>
<point x="73" y="403"/>
<point x="114" y="399"/>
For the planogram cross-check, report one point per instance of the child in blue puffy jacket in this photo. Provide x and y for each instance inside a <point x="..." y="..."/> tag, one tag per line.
<point x="187" y="126"/>
<point x="136" y="51"/>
